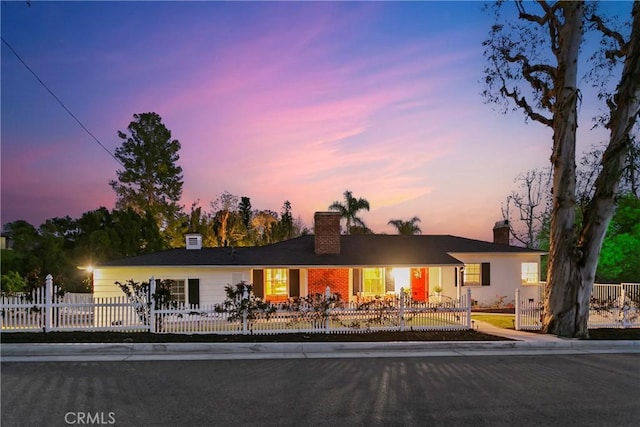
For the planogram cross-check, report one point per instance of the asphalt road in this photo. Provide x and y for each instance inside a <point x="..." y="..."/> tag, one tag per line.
<point x="551" y="390"/>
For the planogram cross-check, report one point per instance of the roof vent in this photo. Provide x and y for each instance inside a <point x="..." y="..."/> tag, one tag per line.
<point x="194" y="241"/>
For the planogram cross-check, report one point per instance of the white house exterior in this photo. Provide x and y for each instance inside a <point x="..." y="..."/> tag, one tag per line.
<point x="356" y="267"/>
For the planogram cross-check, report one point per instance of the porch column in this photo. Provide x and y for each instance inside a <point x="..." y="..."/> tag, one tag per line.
<point x="459" y="282"/>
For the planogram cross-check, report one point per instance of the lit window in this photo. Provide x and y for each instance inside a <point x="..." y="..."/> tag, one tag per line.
<point x="373" y="281"/>
<point x="275" y="283"/>
<point x="472" y="274"/>
<point x="177" y="291"/>
<point x="530" y="274"/>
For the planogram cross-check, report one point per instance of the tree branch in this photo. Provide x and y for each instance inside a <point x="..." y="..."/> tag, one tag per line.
<point x="623" y="46"/>
<point x="522" y="103"/>
<point x="529" y="71"/>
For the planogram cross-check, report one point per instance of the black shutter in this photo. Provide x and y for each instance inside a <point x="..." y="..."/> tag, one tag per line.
<point x="357" y="280"/>
<point x="194" y="291"/>
<point x="486" y="274"/>
<point x="389" y="281"/>
<point x="258" y="283"/>
<point x="294" y="282"/>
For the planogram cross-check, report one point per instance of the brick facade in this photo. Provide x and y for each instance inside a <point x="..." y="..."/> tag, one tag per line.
<point x="336" y="278"/>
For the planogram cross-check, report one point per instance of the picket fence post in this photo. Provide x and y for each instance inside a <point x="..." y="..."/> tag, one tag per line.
<point x="518" y="320"/>
<point x="327" y="296"/>
<point x="48" y="302"/>
<point x="245" y="307"/>
<point x="401" y="311"/>
<point x="152" y="305"/>
<point x="624" y="308"/>
<point x="469" y="308"/>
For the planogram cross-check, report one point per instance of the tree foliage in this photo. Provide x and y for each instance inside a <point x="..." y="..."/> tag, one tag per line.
<point x="151" y="181"/>
<point x="349" y="210"/>
<point x="60" y="246"/>
<point x="618" y="260"/>
<point x="532" y="66"/>
<point x="406" y="228"/>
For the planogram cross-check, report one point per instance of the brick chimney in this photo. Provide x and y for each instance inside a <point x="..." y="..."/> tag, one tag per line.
<point x="327" y="233"/>
<point x="501" y="232"/>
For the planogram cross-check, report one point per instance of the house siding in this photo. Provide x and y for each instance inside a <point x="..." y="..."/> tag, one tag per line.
<point x="212" y="281"/>
<point x="504" y="277"/>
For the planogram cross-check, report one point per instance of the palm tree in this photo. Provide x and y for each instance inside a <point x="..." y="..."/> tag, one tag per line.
<point x="350" y="208"/>
<point x="406" y="228"/>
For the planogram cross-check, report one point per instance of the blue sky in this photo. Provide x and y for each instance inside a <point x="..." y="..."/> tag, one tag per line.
<point x="275" y="101"/>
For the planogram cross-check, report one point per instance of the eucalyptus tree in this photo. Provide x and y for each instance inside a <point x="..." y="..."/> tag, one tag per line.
<point x="349" y="209"/>
<point x="151" y="180"/>
<point x="406" y="228"/>
<point x="532" y="65"/>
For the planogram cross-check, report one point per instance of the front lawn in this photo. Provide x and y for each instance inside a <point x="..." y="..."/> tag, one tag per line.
<point x="504" y="321"/>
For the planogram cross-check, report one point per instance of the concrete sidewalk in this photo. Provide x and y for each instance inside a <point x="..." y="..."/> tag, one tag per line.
<point x="518" y="343"/>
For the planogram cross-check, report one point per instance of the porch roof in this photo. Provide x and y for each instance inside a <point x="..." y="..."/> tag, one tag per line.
<point x="356" y="251"/>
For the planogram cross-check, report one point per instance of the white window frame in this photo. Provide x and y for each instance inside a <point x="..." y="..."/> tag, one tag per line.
<point x="526" y="275"/>
<point x="268" y="282"/>
<point x="467" y="273"/>
<point x="366" y="288"/>
<point x="185" y="291"/>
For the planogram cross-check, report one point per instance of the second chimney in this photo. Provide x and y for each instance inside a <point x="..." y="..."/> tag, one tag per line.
<point x="327" y="233"/>
<point x="501" y="232"/>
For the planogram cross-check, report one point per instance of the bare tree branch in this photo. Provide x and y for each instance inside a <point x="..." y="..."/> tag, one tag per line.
<point x="522" y="103"/>
<point x="623" y="46"/>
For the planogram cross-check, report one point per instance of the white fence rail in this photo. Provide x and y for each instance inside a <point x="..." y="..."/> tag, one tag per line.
<point x="343" y="318"/>
<point x="611" y="306"/>
<point x="47" y="310"/>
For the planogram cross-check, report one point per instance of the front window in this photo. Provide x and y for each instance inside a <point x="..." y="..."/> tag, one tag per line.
<point x="177" y="291"/>
<point x="530" y="274"/>
<point x="472" y="274"/>
<point x="373" y="281"/>
<point x="275" y="283"/>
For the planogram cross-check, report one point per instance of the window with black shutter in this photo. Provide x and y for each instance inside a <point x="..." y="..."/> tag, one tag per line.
<point x="258" y="283"/>
<point x="357" y="280"/>
<point x="194" y="291"/>
<point x="294" y="282"/>
<point x="486" y="274"/>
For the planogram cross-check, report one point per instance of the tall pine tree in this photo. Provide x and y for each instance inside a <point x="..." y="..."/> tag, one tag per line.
<point x="151" y="181"/>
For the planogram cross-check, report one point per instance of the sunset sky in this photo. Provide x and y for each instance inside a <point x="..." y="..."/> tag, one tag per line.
<point x="275" y="101"/>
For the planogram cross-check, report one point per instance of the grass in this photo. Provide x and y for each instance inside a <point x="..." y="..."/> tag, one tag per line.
<point x="504" y="321"/>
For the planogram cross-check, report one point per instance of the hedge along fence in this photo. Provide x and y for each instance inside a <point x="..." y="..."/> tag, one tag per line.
<point x="146" y="308"/>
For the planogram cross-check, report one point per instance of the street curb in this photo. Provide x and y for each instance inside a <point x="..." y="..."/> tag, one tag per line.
<point x="11" y="351"/>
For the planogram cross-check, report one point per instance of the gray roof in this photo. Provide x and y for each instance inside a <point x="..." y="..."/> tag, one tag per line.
<point x="360" y="250"/>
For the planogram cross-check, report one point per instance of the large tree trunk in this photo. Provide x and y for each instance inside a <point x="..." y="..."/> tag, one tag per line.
<point x="600" y="211"/>
<point x="572" y="268"/>
<point x="562" y="312"/>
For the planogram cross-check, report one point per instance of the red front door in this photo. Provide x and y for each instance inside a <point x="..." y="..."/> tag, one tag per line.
<point x="420" y="284"/>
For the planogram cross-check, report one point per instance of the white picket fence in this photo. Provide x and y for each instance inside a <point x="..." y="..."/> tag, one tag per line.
<point x="611" y="306"/>
<point x="343" y="318"/>
<point x="45" y="310"/>
<point x="48" y="309"/>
